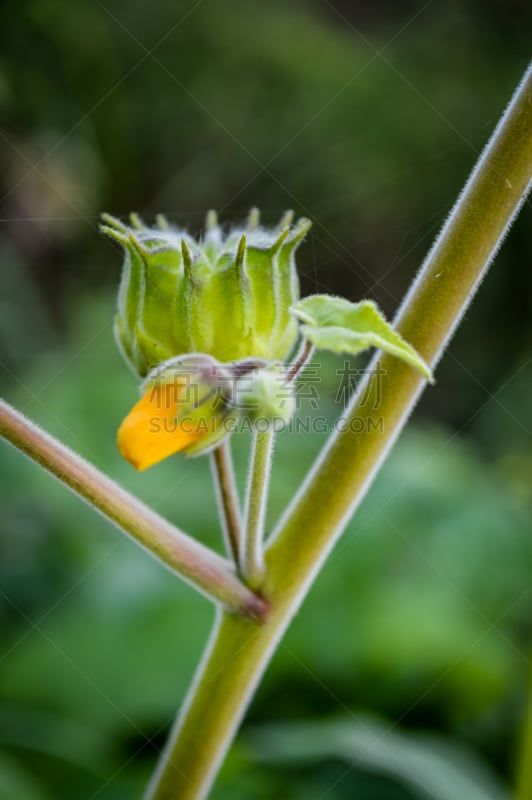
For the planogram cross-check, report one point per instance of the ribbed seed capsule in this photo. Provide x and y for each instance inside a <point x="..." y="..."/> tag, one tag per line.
<point x="227" y="295"/>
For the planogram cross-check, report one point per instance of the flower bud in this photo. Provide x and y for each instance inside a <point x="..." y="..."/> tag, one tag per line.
<point x="227" y="295"/>
<point x="191" y="403"/>
<point x="266" y="397"/>
<point x="185" y="406"/>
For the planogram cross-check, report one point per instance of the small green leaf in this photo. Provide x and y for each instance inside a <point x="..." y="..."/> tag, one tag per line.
<point x="333" y="323"/>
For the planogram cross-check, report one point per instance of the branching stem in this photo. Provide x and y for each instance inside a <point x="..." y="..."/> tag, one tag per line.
<point x="202" y="568"/>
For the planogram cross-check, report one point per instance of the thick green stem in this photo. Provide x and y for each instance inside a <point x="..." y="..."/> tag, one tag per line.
<point x="251" y="554"/>
<point x="240" y="649"/>
<point x="203" y="731"/>
<point x="226" y="492"/>
<point x="203" y="569"/>
<point x="427" y="319"/>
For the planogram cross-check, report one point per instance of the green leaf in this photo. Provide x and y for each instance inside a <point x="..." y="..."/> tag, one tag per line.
<point x="431" y="767"/>
<point x="333" y="323"/>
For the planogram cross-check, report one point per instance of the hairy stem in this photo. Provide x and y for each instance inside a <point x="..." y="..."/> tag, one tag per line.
<point x="251" y="556"/>
<point x="206" y="571"/>
<point x="240" y="649"/>
<point x="227" y="494"/>
<point x="301" y="360"/>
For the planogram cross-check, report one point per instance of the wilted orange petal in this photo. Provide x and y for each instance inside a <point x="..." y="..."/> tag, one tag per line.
<point x="150" y="433"/>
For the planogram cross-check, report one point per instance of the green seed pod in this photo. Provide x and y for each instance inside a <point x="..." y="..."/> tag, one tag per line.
<point x="227" y="295"/>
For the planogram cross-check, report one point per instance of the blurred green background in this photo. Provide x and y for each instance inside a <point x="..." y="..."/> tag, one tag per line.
<point x="404" y="675"/>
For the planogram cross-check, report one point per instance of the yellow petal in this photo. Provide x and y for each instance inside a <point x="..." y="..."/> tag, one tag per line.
<point x="151" y="431"/>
